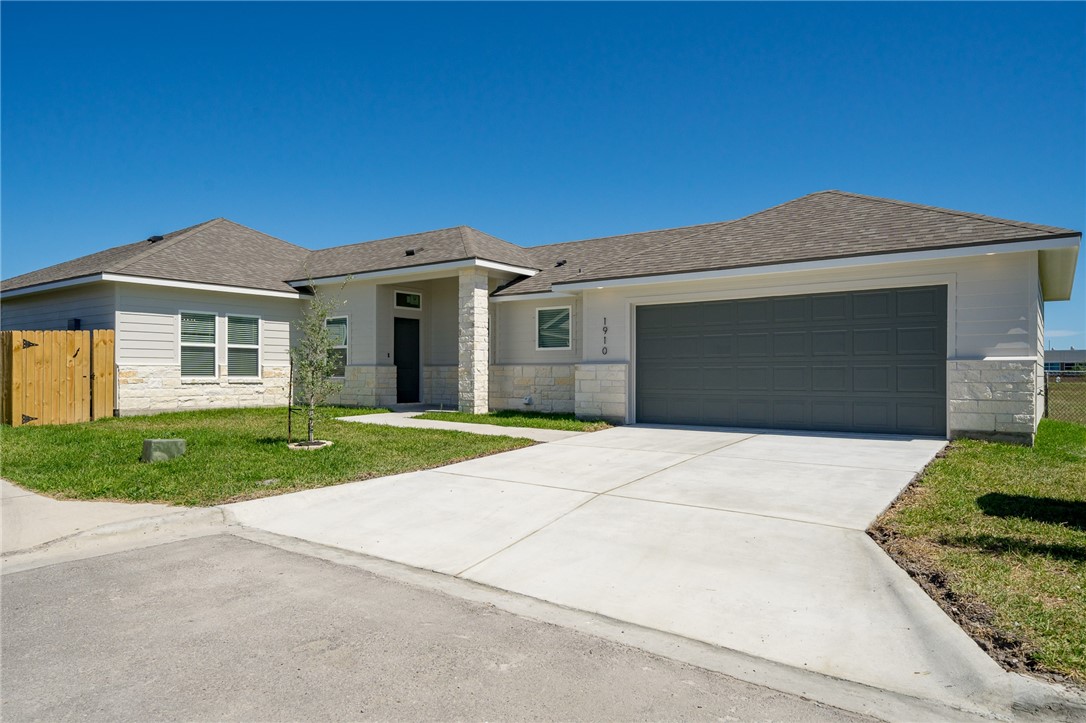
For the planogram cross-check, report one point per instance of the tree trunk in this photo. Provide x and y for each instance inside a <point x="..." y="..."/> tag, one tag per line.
<point x="310" y="419"/>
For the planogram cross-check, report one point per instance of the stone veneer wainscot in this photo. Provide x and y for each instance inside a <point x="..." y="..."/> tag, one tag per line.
<point x="549" y="385"/>
<point x="147" y="389"/>
<point x="367" y="386"/>
<point x="439" y="385"/>
<point x="602" y="391"/>
<point x="993" y="399"/>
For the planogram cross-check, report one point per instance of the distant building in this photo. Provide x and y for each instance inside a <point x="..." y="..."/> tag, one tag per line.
<point x="1062" y="360"/>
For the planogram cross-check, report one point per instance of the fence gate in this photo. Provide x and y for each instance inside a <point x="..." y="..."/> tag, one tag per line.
<point x="56" y="377"/>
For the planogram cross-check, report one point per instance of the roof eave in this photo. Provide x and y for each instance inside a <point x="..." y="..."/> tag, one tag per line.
<point x="147" y="281"/>
<point x="50" y="285"/>
<point x="1057" y="271"/>
<point x="434" y="267"/>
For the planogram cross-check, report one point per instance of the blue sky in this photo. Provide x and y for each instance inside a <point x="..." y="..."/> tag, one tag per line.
<point x="334" y="123"/>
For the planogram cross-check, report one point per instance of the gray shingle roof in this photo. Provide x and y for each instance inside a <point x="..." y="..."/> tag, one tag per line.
<point x="215" y="252"/>
<point x="431" y="247"/>
<point x="576" y="257"/>
<point x="823" y="225"/>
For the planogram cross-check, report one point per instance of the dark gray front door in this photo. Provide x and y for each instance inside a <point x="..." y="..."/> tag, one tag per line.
<point x="868" y="361"/>
<point x="406" y="357"/>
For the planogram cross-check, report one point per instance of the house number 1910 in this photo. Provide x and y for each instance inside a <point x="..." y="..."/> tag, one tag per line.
<point x="604" y="336"/>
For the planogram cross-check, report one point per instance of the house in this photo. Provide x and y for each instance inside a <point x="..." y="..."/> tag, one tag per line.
<point x="834" y="311"/>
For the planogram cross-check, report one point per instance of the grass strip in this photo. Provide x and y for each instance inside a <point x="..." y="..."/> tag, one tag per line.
<point x="232" y="454"/>
<point x="997" y="534"/>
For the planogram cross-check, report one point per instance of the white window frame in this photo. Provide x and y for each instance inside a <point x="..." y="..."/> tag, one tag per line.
<point x="346" y="347"/>
<point x="569" y="344"/>
<point x="215" y="345"/>
<point x="259" y="346"/>
<point x="396" y="305"/>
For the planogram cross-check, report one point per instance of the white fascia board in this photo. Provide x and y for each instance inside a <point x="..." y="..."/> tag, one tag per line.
<point x="518" y="270"/>
<point x="51" y="286"/>
<point x="148" y="281"/>
<point x="830" y="264"/>
<point x="537" y="296"/>
<point x="420" y="269"/>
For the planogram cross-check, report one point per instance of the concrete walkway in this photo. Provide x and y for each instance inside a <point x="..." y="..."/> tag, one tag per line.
<point x="407" y="419"/>
<point x="29" y="519"/>
<point x="750" y="541"/>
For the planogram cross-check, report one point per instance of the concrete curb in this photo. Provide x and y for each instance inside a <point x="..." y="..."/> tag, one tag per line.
<point x="117" y="537"/>
<point x="1020" y="699"/>
<point x="1032" y="698"/>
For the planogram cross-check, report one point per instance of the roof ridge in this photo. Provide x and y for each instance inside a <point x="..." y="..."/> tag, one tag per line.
<point x="464" y="242"/>
<point x="945" y="211"/>
<point x="276" y="238"/>
<point x="156" y="247"/>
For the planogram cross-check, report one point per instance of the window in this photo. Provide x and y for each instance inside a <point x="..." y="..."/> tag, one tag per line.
<point x="552" y="328"/>
<point x="408" y="300"/>
<point x="337" y="329"/>
<point x="243" y="346"/>
<point x="197" y="344"/>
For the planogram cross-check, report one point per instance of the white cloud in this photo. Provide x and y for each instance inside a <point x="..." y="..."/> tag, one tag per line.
<point x="1058" y="333"/>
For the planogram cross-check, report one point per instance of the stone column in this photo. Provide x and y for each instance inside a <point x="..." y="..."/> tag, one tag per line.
<point x="474" y="373"/>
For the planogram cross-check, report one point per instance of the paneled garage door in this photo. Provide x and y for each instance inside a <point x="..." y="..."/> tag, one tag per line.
<point x="868" y="361"/>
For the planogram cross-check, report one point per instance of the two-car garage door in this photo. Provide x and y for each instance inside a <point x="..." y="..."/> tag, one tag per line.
<point x="869" y="361"/>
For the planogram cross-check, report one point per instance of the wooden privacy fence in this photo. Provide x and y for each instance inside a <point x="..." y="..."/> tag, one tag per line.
<point x="56" y="377"/>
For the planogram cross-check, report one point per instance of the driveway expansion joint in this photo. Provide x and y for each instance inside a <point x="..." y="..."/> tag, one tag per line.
<point x="595" y="495"/>
<point x="738" y="512"/>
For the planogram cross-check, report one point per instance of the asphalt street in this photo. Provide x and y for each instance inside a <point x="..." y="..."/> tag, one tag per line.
<point x="223" y="628"/>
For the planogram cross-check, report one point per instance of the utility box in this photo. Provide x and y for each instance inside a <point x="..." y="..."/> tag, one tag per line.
<point x="160" y="450"/>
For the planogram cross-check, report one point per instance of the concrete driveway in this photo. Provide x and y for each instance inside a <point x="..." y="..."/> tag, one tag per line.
<point x="751" y="541"/>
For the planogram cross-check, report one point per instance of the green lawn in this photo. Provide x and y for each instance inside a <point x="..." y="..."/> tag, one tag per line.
<point x="1001" y="528"/>
<point x="1067" y="398"/>
<point x="232" y="454"/>
<point x="512" y="418"/>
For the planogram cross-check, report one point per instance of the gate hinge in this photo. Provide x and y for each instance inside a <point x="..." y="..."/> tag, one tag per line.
<point x="28" y="418"/>
<point x="27" y="344"/>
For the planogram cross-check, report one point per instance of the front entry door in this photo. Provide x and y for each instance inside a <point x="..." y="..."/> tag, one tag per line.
<point x="406" y="353"/>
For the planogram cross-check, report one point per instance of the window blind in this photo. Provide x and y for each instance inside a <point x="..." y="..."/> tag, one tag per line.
<point x="552" y="328"/>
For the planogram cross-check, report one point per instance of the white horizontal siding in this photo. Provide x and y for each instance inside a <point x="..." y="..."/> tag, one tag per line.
<point x="92" y="304"/>
<point x="148" y="317"/>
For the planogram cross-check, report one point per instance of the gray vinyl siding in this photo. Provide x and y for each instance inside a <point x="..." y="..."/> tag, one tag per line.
<point x="516" y="332"/>
<point x="370" y="310"/>
<point x="147" y="323"/>
<point x="444" y="306"/>
<point x="93" y="304"/>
